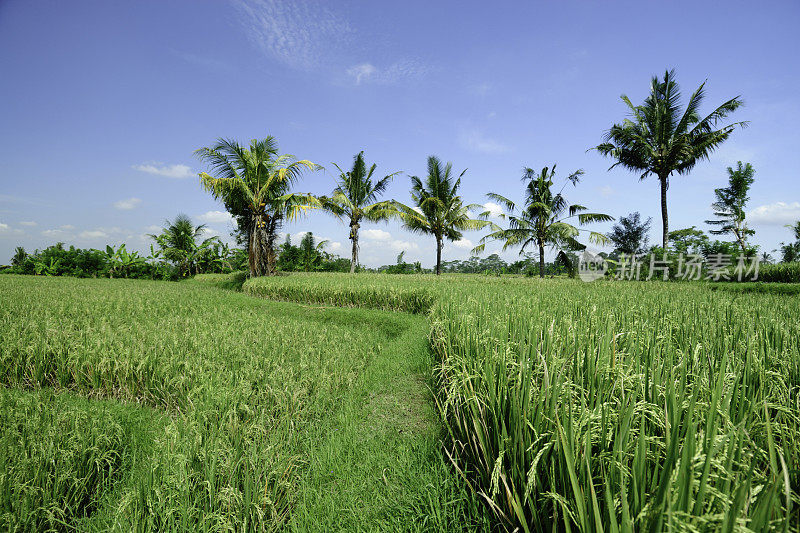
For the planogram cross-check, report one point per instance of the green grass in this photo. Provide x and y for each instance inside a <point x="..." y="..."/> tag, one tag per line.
<point x="272" y="412"/>
<point x="565" y="406"/>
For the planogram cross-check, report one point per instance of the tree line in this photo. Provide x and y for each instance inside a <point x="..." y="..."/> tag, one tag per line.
<point x="659" y="137"/>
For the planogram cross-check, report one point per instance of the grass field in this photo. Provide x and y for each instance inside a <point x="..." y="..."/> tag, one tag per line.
<point x="134" y="405"/>
<point x="562" y="405"/>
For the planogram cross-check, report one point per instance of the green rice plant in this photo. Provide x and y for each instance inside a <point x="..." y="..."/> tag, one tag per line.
<point x="346" y="291"/>
<point x="624" y="407"/>
<point x="257" y="415"/>
<point x="780" y="273"/>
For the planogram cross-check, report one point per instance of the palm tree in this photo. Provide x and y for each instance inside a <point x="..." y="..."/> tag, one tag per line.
<point x="660" y="139"/>
<point x="355" y="198"/>
<point x="255" y="185"/>
<point x="438" y="210"/>
<point x="178" y="242"/>
<point x="543" y="219"/>
<point x="730" y="205"/>
<point x="791" y="251"/>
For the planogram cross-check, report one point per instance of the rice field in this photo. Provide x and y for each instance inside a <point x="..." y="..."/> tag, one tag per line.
<point x="555" y="405"/>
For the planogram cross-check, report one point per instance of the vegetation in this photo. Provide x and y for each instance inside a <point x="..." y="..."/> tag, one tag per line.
<point x="791" y="251"/>
<point x="661" y="139"/>
<point x="438" y="209"/>
<point x="730" y="205"/>
<point x="178" y="244"/>
<point x="255" y="185"/>
<point x="256" y="422"/>
<point x="544" y="218"/>
<point x="355" y="198"/>
<point x="629" y="235"/>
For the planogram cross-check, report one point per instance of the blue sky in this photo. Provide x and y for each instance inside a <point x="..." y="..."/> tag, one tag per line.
<point x="103" y="103"/>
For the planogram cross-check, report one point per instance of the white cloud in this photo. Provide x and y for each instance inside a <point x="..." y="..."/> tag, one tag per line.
<point x="153" y="229"/>
<point x="376" y="235"/>
<point x="67" y="227"/>
<point x="5" y="229"/>
<point x="298" y="34"/>
<point x="334" y="246"/>
<point x="361" y="72"/>
<point x="778" y="213"/>
<point x="215" y="217"/>
<point x="93" y="234"/>
<point x="393" y="73"/>
<point x="168" y="171"/>
<point x="473" y="139"/>
<point x="28" y="223"/>
<point x="495" y="210"/>
<point x="606" y="191"/>
<point x="400" y="246"/>
<point x="464" y="244"/>
<point x="128" y="204"/>
<point x="57" y="233"/>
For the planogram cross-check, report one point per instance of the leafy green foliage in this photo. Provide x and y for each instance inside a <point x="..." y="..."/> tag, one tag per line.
<point x="629" y="235"/>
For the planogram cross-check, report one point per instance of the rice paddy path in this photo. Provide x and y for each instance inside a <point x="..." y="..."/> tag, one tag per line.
<point x="375" y="463"/>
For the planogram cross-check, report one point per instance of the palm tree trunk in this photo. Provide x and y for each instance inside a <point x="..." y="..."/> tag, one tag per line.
<point x="541" y="260"/>
<point x="438" y="255"/>
<point x="259" y="252"/>
<point x="664" y="182"/>
<point x="354" y="238"/>
<point x="271" y="236"/>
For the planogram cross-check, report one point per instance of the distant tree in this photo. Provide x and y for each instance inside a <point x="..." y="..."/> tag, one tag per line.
<point x="660" y="139"/>
<point x="20" y="255"/>
<point x="355" y="198"/>
<point x="255" y="185"/>
<point x="311" y="252"/>
<point x="730" y="205"/>
<point x="790" y="252"/>
<point x="178" y="242"/>
<point x="438" y="209"/>
<point x="688" y="240"/>
<point x="629" y="235"/>
<point x="544" y="218"/>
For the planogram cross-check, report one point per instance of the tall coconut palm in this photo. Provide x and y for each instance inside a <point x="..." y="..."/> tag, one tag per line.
<point x="660" y="139"/>
<point x="438" y="209"/>
<point x="544" y="218"/>
<point x="255" y="185"/>
<point x="355" y="198"/>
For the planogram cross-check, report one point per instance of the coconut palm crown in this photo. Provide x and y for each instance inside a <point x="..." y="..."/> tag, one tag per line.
<point x="659" y="138"/>
<point x="544" y="218"/>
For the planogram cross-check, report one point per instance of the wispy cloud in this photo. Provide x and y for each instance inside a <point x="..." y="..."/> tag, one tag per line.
<point x="127" y="204"/>
<point x="299" y="34"/>
<point x="777" y="214"/>
<point x="406" y="69"/>
<point x="475" y="140"/>
<point x="93" y="234"/>
<point x="168" y="171"/>
<point x="215" y="217"/>
<point x="28" y="223"/>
